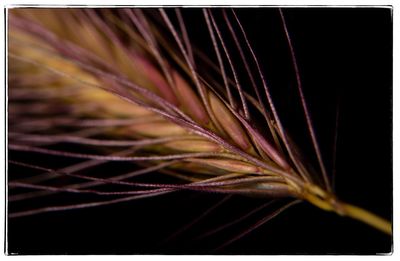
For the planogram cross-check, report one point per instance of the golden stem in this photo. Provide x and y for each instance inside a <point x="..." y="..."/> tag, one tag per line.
<point x="329" y="203"/>
<point x="368" y="218"/>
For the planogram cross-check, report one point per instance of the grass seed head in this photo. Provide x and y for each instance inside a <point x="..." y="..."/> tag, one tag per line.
<point x="113" y="60"/>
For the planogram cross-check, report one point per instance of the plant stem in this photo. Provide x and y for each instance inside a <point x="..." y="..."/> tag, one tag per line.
<point x="367" y="217"/>
<point x="330" y="203"/>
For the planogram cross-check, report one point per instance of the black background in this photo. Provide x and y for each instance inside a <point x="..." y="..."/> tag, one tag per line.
<point x="345" y="58"/>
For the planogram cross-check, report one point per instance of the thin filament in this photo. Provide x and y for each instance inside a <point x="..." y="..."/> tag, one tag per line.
<point x="235" y="76"/>
<point x="220" y="62"/>
<point x="304" y="104"/>
<point x="271" y="103"/>
<point x="258" y="224"/>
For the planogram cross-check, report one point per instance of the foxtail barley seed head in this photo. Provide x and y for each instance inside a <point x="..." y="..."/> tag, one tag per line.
<point x="132" y="78"/>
